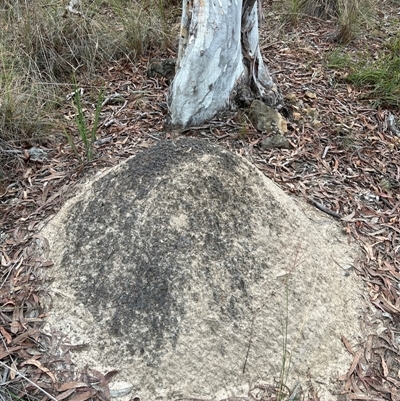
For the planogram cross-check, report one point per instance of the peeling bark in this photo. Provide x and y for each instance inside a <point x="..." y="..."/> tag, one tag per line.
<point x="218" y="50"/>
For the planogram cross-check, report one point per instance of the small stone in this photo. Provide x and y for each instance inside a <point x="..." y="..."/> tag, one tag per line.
<point x="296" y="116"/>
<point x="276" y="142"/>
<point x="310" y="95"/>
<point x="266" y="119"/>
<point x="164" y="68"/>
<point x="291" y="97"/>
<point x="311" y="112"/>
<point x="120" y="388"/>
<point x="37" y="154"/>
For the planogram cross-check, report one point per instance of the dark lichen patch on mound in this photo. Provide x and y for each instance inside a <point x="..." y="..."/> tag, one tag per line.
<point x="130" y="245"/>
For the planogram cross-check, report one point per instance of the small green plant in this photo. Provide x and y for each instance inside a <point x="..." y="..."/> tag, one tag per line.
<point x="294" y="11"/>
<point x="382" y="79"/>
<point x="88" y="136"/>
<point x="339" y="59"/>
<point x="379" y="76"/>
<point x="9" y="395"/>
<point x="393" y="45"/>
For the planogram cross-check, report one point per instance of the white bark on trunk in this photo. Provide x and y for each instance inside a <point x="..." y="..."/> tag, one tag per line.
<point x="259" y="74"/>
<point x="218" y="49"/>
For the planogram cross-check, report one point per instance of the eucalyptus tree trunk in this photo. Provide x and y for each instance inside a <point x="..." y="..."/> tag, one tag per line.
<point x="218" y="55"/>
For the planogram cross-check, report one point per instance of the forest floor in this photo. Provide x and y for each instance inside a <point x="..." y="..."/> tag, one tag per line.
<point x="345" y="158"/>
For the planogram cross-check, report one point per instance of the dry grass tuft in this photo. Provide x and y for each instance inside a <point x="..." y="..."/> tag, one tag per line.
<point x="350" y="15"/>
<point x="43" y="44"/>
<point x="320" y="8"/>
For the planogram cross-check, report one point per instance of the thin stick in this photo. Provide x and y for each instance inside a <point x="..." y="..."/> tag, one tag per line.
<point x="320" y="206"/>
<point x="249" y="346"/>
<point x="29" y="381"/>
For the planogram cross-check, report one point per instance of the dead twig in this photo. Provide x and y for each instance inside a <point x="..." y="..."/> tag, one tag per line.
<point x="28" y="380"/>
<point x="324" y="209"/>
